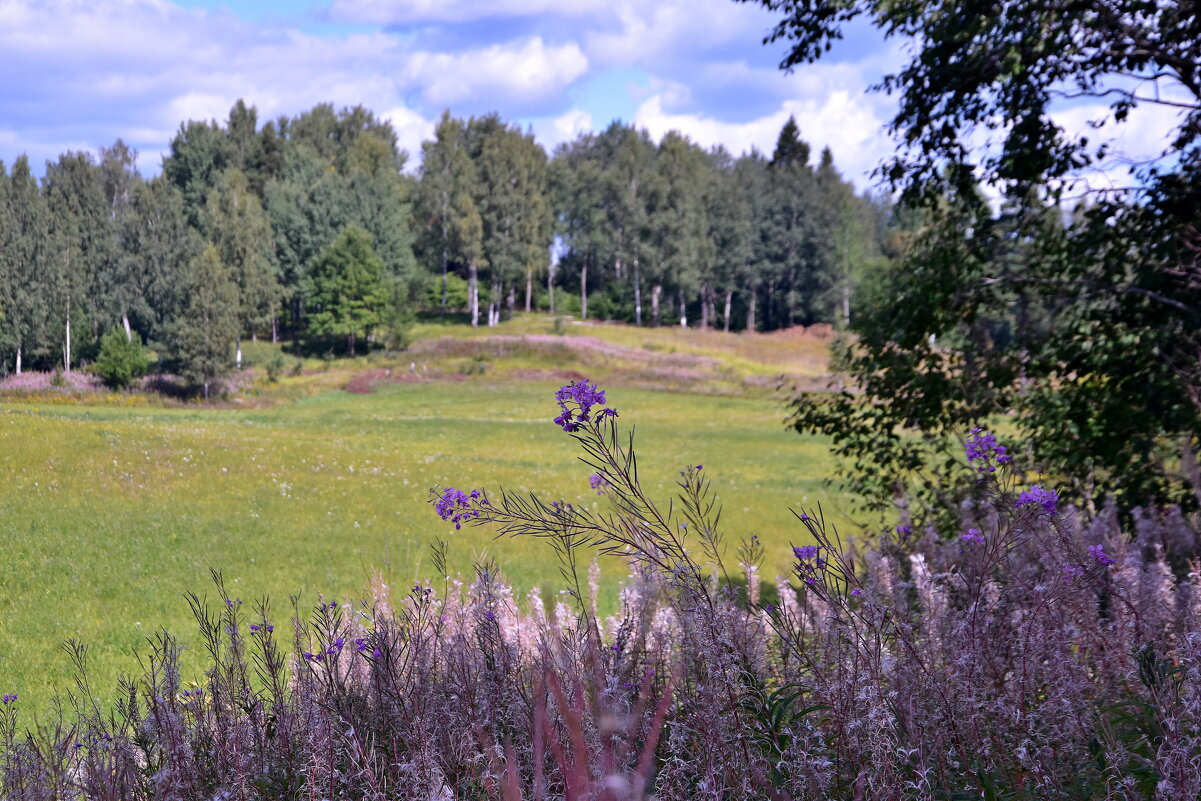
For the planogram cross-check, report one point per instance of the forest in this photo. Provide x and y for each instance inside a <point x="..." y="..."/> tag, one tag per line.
<point x="309" y="228"/>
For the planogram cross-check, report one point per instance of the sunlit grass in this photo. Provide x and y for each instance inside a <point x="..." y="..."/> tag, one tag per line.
<point x="110" y="513"/>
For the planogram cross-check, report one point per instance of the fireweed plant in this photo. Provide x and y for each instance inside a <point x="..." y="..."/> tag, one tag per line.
<point x="1035" y="655"/>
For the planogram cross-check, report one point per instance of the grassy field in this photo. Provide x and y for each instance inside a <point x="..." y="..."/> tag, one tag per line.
<point x="111" y="509"/>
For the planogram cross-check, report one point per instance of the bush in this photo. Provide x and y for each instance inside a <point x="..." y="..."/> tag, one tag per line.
<point x="122" y="359"/>
<point x="456" y="292"/>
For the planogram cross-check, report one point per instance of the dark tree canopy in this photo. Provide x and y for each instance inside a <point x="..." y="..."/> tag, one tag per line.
<point x="1087" y="330"/>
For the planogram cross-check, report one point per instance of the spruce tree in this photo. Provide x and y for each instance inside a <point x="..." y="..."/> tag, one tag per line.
<point x="203" y="336"/>
<point x="234" y="221"/>
<point x="346" y="293"/>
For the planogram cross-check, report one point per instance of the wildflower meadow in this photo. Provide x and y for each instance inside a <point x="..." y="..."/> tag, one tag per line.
<point x="1039" y="653"/>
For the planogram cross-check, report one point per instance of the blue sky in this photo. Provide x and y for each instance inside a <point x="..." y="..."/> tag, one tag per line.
<point x="77" y="74"/>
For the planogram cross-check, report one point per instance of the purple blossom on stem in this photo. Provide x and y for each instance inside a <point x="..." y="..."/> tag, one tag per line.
<point x="973" y="535"/>
<point x="1098" y="555"/>
<point x="459" y="507"/>
<point x="982" y="447"/>
<point x="856" y="592"/>
<point x="576" y="401"/>
<point x="1037" y="495"/>
<point x="598" y="482"/>
<point x="10" y="698"/>
<point x="1072" y="572"/>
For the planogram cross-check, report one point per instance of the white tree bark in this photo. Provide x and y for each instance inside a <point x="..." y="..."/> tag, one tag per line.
<point x="67" y="343"/>
<point x="18" y="361"/>
<point x="473" y="294"/>
<point x="238" y="355"/>
<point x="128" y="330"/>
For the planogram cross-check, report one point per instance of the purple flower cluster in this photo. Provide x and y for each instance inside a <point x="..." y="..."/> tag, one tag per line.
<point x="10" y="698"/>
<point x="265" y="626"/>
<point x="1098" y="555"/>
<point x="982" y="447"/>
<point x="583" y="397"/>
<point x="809" y="562"/>
<point x="973" y="535"/>
<point x="334" y="649"/>
<point x="1036" y="495"/>
<point x="458" y="507"/>
<point x="1072" y="572"/>
<point x="598" y="482"/>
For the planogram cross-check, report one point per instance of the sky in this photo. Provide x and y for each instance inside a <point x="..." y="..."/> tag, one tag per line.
<point x="78" y="74"/>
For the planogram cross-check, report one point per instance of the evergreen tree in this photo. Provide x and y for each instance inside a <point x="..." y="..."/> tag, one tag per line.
<point x="29" y="255"/>
<point x="118" y="284"/>
<point x="346" y="292"/>
<point x="158" y="250"/>
<point x="235" y="222"/>
<point x="84" y="250"/>
<point x="202" y="339"/>
<point x="200" y="152"/>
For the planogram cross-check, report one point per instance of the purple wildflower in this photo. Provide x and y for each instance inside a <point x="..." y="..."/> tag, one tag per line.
<point x="904" y="530"/>
<point x="856" y="592"/>
<point x="583" y="397"/>
<point x="1071" y="572"/>
<point x="973" y="535"/>
<point x="982" y="447"/>
<point x="1037" y="495"/>
<point x="806" y="552"/>
<point x="598" y="482"/>
<point x="458" y="507"/>
<point x="253" y="627"/>
<point x="376" y="654"/>
<point x="10" y="698"/>
<point x="1098" y="555"/>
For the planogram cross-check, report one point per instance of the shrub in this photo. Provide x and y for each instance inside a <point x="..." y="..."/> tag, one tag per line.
<point x="456" y="292"/>
<point x="122" y="359"/>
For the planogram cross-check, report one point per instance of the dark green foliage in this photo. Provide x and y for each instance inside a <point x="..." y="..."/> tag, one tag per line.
<point x="122" y="359"/>
<point x="346" y="293"/>
<point x="202" y="339"/>
<point x="1089" y="332"/>
<point x="454" y="292"/>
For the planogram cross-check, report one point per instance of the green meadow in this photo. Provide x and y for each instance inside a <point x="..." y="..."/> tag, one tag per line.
<point x="113" y="508"/>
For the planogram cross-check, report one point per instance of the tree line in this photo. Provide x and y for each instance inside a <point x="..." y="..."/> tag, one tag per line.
<point x="309" y="228"/>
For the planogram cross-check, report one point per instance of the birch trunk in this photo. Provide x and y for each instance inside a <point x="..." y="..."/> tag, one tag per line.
<point x="238" y="355"/>
<point x="683" y="308"/>
<point x="128" y="330"/>
<point x="729" y="302"/>
<point x="18" y="361"/>
<point x="473" y="293"/>
<point x="529" y="289"/>
<point x="637" y="294"/>
<point x="584" y="292"/>
<point x="67" y="344"/>
<point x="704" y="307"/>
<point x="750" y="313"/>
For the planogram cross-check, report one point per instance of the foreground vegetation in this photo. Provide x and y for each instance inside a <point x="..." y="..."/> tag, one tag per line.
<point x="1036" y="656"/>
<point x="121" y="503"/>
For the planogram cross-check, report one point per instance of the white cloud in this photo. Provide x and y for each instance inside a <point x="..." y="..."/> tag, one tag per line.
<point x="411" y="130"/>
<point x="526" y="71"/>
<point x="841" y="120"/>
<point x="400" y="12"/>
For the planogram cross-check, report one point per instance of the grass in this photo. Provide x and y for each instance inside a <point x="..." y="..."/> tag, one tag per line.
<point x="111" y="512"/>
